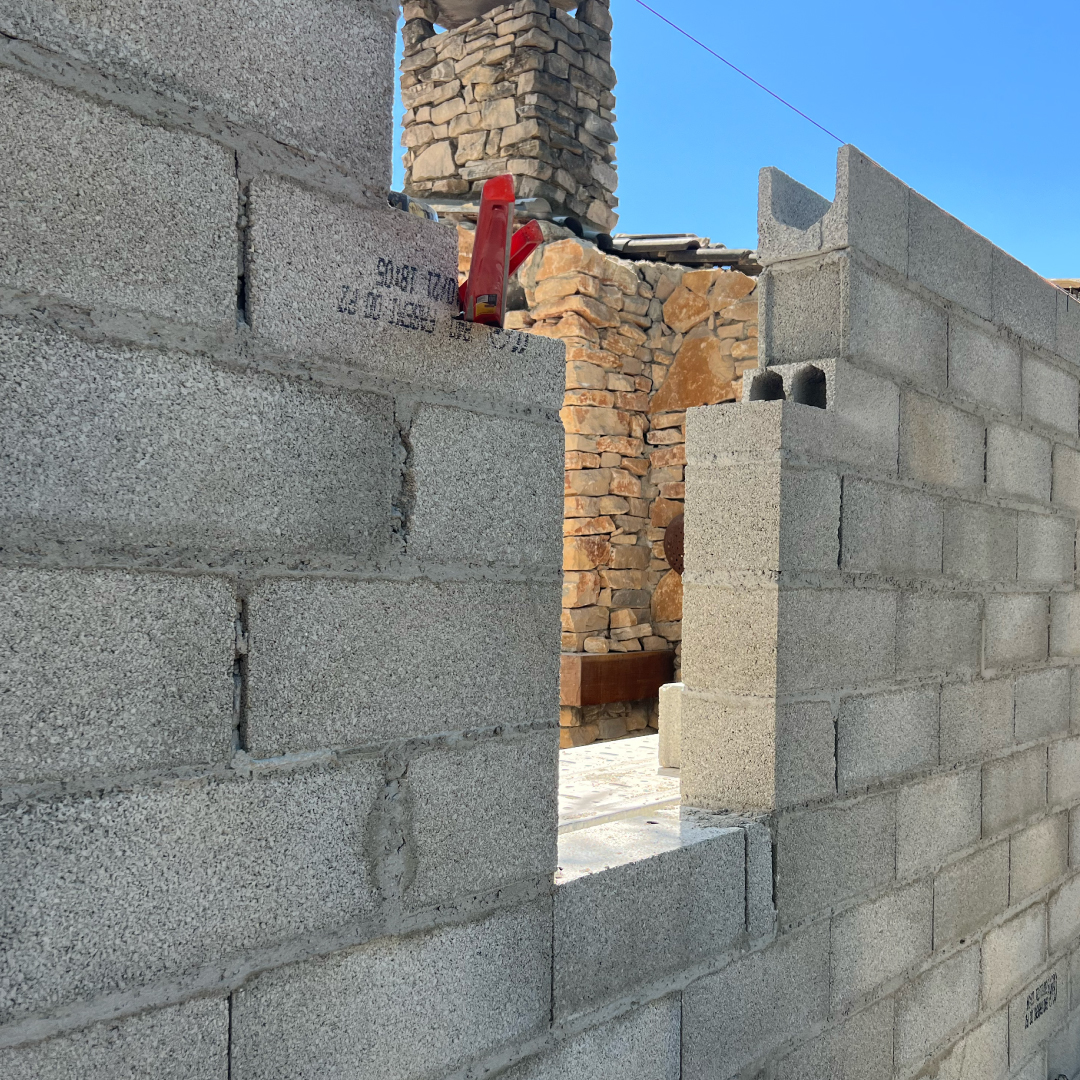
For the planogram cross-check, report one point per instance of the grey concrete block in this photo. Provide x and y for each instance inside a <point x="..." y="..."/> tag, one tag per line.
<point x="1038" y="856"/>
<point x="469" y="989"/>
<point x="760" y="899"/>
<point x="482" y="816"/>
<point x="1068" y="327"/>
<point x="180" y="1042"/>
<point x="896" y="330"/>
<point x="1064" y="916"/>
<point x="801" y="311"/>
<point x="937" y="818"/>
<point x="84" y="186"/>
<point x="884" y="735"/>
<point x="1063" y="784"/>
<point x="1065" y="624"/>
<point x="984" y="367"/>
<point x="641" y="1045"/>
<point x="660" y="897"/>
<point x="824" y="856"/>
<point x="670" y="725"/>
<point x="1017" y="463"/>
<point x="948" y="258"/>
<point x="1046" y="546"/>
<point x="934" y="1005"/>
<point x="789" y="215"/>
<point x="1014" y="788"/>
<point x="475" y="503"/>
<point x="1042" y="703"/>
<point x="1065" y="490"/>
<point x="976" y="719"/>
<point x="1074" y="836"/>
<point x="1012" y="953"/>
<point x="859" y="1049"/>
<point x="969" y="893"/>
<point x="107" y="672"/>
<point x="327" y="666"/>
<point x="376" y="290"/>
<point x="980" y="542"/>
<point x="877" y="941"/>
<point x="805" y="752"/>
<point x="1016" y="628"/>
<point x="162" y="456"/>
<point x="1036" y="1013"/>
<point x="982" y="1054"/>
<point x="890" y="529"/>
<point x="937" y="632"/>
<point x="1051" y="396"/>
<point x="295" y="74"/>
<point x="107" y="891"/>
<point x="940" y="444"/>
<point x="1023" y="301"/>
<point x="1063" y="1050"/>
<point x="753" y="1004"/>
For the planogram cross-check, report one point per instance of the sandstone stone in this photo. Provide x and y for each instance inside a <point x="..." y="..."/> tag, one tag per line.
<point x="618" y="445"/>
<point x="667" y="420"/>
<point x="572" y="642"/>
<point x="587" y="421"/>
<point x="603" y="399"/>
<point x="587" y="482"/>
<point x="623" y="579"/>
<point x="570" y="715"/>
<point x="588" y="526"/>
<point x="616" y="343"/>
<point x="581" y="374"/>
<point x="623" y="617"/>
<point x="701" y="375"/>
<point x="573" y="325"/>
<point x="585" y="552"/>
<point x="617" y="381"/>
<point x="628" y="330"/>
<point x="729" y="285"/>
<point x="580" y="589"/>
<point x="740" y="312"/>
<point x="569" y="256"/>
<point x="664" y="511"/>
<point x="620" y="274"/>
<point x="628" y="557"/>
<point x="699" y="281"/>
<point x="580" y="506"/>
<point x="610" y="461"/>
<point x="625" y="483"/>
<point x="685" y="309"/>
<point x="433" y="162"/>
<point x="625" y="633"/>
<point x="577" y="459"/>
<point x="666" y="436"/>
<point x="584" y="620"/>
<point x="634" y="401"/>
<point x="578" y="736"/>
<point x="567" y="285"/>
<point x="593" y="356"/>
<point x="670" y="455"/>
<point x="445" y="112"/>
<point x="667" y="601"/>
<point x="596" y="645"/>
<point x="613" y="505"/>
<point x="744" y="350"/>
<point x="593" y="311"/>
<point x="580" y="442"/>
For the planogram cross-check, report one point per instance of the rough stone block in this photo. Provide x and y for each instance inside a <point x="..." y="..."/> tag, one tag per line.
<point x="1035" y="1013"/>
<point x="1065" y="624"/>
<point x="295" y="73"/>
<point x="934" y="1005"/>
<point x="670" y="725"/>
<point x="754" y="1003"/>
<point x="969" y="893"/>
<point x="1017" y="463"/>
<point x="976" y="719"/>
<point x="1016" y="628"/>
<point x="175" y="1043"/>
<point x="1064" y="915"/>
<point x="1023" y="301"/>
<point x="1051" y="396"/>
<point x="826" y="855"/>
<point x="884" y="735"/>
<point x="984" y="367"/>
<point x="110" y="672"/>
<point x="1065" y="490"/>
<point x="455" y="655"/>
<point x="1045" y="548"/>
<point x="106" y="891"/>
<point x="1014" y="788"/>
<point x="162" y="456"/>
<point x="476" y="503"/>
<point x="859" y="1049"/>
<point x="469" y="989"/>
<point x="637" y="901"/>
<point x="937" y="818"/>
<point x="1064" y="779"/>
<point x="890" y="529"/>
<point x="1042" y="704"/>
<point x="84" y="184"/>
<point x="937" y="632"/>
<point x="980" y="542"/>
<point x="877" y="941"/>
<point x="1038" y="856"/>
<point x="940" y="444"/>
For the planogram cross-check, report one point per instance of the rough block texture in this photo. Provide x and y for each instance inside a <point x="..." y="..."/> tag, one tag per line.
<point x="968" y="893"/>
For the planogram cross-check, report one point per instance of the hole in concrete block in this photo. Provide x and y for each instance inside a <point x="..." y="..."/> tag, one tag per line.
<point x="768" y="386"/>
<point x="808" y="387"/>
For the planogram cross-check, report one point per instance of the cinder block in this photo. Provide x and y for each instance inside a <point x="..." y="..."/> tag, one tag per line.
<point x="1065" y="624"/>
<point x="760" y="901"/>
<point x="376" y="290"/>
<point x="800" y="311"/>
<point x="1064" y="778"/>
<point x="984" y="367"/>
<point x="1035" y="1013"/>
<point x="84" y="185"/>
<point x="1014" y="788"/>
<point x="468" y="989"/>
<point x="1016" y="628"/>
<point x="755" y="1003"/>
<point x="1068" y="327"/>
<point x="1064" y="915"/>
<point x="106" y="891"/>
<point x="983" y="1054"/>
<point x="455" y="655"/>
<point x="640" y="1045"/>
<point x="1066" y="475"/>
<point x="976" y="719"/>
<point x="175" y="1043"/>
<point x="875" y="942"/>
<point x="937" y="632"/>
<point x="1033" y="1069"/>
<point x="934" y="1005"/>
<point x="1074" y="836"/>
<point x="1012" y="953"/>
<point x="1045" y="548"/>
<point x="940" y="444"/>
<point x="660" y="897"/>
<point x="1017" y="463"/>
<point x="883" y="735"/>
<point x="1038" y="856"/>
<point x="1023" y="301"/>
<point x="1063" y="1050"/>
<point x="890" y="529"/>
<point x="859" y="1049"/>
<point x="1051" y="396"/>
<point x="107" y="672"/>
<point x="969" y="893"/>
<point x="164" y="456"/>
<point x="805" y="752"/>
<point x="294" y="74"/>
<point x="937" y="818"/>
<point x="670" y="725"/>
<point x="476" y="503"/>
<point x="948" y="258"/>
<point x="1042" y="704"/>
<point x="482" y="815"/>
<point x="824" y="856"/>
<point x="980" y="542"/>
<point x="789" y="215"/>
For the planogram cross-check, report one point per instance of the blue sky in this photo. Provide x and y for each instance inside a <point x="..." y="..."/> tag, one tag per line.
<point x="973" y="105"/>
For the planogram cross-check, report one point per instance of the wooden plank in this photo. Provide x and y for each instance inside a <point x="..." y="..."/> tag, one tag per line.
<point x="600" y="678"/>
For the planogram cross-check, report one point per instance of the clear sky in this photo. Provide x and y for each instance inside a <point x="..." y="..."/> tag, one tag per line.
<point x="976" y="106"/>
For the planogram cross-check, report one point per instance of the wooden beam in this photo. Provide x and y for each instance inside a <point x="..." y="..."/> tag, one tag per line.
<point x="600" y="678"/>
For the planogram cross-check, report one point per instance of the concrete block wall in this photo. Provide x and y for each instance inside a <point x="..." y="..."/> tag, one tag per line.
<point x="878" y="649"/>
